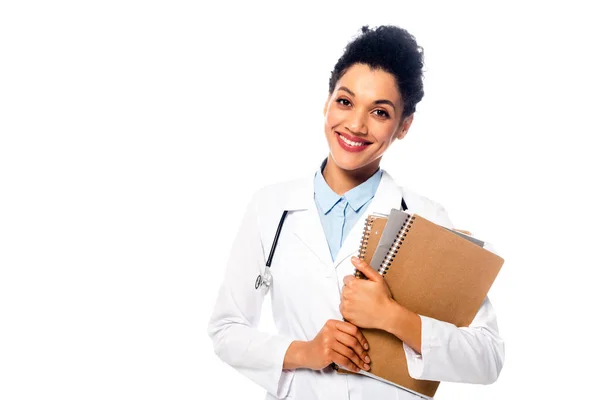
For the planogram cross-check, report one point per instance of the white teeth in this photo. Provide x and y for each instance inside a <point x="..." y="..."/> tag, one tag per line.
<point x="351" y="143"/>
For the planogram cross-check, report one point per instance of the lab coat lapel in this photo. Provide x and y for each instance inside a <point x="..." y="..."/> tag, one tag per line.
<point x="310" y="231"/>
<point x="307" y="226"/>
<point x="387" y="196"/>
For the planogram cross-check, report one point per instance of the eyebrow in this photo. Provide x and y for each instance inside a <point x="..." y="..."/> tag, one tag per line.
<point x="344" y="88"/>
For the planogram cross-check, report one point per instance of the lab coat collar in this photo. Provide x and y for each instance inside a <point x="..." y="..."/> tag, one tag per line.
<point x="387" y="196"/>
<point x="356" y="197"/>
<point x="324" y="195"/>
<point x="309" y="228"/>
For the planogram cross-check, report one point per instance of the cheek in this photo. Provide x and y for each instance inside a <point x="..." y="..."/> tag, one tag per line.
<point x="385" y="131"/>
<point x="333" y="117"/>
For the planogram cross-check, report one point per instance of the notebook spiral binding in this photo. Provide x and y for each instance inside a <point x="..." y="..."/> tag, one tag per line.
<point x="362" y="250"/>
<point x="389" y="258"/>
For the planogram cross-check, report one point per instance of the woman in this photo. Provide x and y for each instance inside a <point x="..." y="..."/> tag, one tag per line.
<point x="317" y="303"/>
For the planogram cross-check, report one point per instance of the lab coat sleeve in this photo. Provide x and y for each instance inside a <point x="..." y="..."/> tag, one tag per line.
<point x="233" y="325"/>
<point x="473" y="354"/>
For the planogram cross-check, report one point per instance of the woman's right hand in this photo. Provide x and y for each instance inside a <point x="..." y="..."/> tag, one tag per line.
<point x="339" y="342"/>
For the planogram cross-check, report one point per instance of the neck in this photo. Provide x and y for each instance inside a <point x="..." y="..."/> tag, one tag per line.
<point x="341" y="180"/>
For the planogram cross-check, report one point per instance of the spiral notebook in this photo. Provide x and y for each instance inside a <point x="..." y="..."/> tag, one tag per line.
<point x="374" y="226"/>
<point x="432" y="271"/>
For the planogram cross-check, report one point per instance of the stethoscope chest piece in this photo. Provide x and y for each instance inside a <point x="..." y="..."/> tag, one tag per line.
<point x="264" y="280"/>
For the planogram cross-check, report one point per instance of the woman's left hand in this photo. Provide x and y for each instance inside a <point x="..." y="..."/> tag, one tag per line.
<point x="365" y="302"/>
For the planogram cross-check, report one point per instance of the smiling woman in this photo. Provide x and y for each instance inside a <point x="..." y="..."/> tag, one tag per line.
<point x="364" y="115"/>
<point x="373" y="92"/>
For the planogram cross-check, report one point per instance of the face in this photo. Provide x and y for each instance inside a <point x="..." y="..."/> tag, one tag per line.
<point x="363" y="117"/>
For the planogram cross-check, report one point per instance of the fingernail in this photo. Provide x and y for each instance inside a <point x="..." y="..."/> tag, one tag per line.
<point x="367" y="367"/>
<point x="367" y="359"/>
<point x="366" y="346"/>
<point x="354" y="258"/>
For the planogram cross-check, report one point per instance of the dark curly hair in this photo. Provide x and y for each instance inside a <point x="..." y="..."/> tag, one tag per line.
<point x="391" y="49"/>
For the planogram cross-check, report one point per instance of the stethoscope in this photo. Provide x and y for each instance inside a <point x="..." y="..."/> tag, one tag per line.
<point x="267" y="279"/>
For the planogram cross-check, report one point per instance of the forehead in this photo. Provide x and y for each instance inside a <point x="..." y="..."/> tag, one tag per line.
<point x="370" y="84"/>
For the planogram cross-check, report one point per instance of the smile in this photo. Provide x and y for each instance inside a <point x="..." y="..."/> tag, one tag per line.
<point x="350" y="145"/>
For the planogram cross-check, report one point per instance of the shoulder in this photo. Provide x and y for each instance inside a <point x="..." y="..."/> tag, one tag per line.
<point x="426" y="207"/>
<point x="281" y="194"/>
<point x="433" y="211"/>
<point x="277" y="189"/>
<point x="269" y="201"/>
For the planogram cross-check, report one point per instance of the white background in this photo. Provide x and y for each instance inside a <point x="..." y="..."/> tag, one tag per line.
<point x="127" y="128"/>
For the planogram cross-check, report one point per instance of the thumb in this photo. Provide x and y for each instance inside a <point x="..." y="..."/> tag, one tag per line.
<point x="366" y="269"/>
<point x="465" y="232"/>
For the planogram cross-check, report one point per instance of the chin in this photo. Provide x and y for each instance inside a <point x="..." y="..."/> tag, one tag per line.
<point x="347" y="161"/>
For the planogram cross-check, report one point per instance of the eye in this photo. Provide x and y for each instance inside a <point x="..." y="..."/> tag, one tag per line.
<point x="382" y="113"/>
<point x="343" y="102"/>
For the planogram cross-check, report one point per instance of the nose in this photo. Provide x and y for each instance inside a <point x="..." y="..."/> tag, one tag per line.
<point x="356" y="122"/>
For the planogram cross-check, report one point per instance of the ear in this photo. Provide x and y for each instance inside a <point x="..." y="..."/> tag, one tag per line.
<point x="404" y="126"/>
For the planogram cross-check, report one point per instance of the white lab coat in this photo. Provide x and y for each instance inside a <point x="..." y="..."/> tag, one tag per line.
<point x="306" y="293"/>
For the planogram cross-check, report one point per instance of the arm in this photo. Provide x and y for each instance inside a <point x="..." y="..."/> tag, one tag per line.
<point x="473" y="354"/>
<point x="440" y="351"/>
<point x="435" y="350"/>
<point x="233" y="324"/>
<point x="295" y="357"/>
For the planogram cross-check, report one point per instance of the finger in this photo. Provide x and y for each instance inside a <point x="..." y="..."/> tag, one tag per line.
<point x="348" y="279"/>
<point x="366" y="269"/>
<point x="343" y="361"/>
<point x="349" y="354"/>
<point x="353" y="331"/>
<point x="465" y="232"/>
<point x="353" y="343"/>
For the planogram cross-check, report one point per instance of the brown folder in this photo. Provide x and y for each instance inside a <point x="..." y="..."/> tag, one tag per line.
<point x="434" y="272"/>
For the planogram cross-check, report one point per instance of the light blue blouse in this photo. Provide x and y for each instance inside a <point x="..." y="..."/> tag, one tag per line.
<point x="340" y="213"/>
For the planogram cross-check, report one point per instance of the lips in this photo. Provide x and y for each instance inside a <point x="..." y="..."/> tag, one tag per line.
<point x="353" y="138"/>
<point x="350" y="148"/>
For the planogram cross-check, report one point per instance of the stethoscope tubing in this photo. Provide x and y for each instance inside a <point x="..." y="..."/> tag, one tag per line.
<point x="260" y="281"/>
<point x="276" y="238"/>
